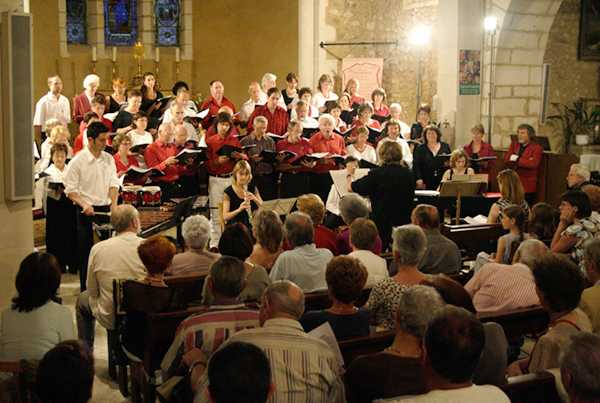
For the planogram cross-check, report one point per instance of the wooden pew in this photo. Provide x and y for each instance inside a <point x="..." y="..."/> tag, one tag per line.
<point x="474" y="238"/>
<point x="519" y="322"/>
<point x="539" y="387"/>
<point x="373" y="343"/>
<point x="318" y="300"/>
<point x="188" y="289"/>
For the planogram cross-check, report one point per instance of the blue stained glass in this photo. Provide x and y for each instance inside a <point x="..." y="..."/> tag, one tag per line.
<point x="120" y="22"/>
<point x="167" y="13"/>
<point x="76" y="22"/>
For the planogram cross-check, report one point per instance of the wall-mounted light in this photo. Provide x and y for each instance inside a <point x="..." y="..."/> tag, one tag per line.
<point x="420" y="35"/>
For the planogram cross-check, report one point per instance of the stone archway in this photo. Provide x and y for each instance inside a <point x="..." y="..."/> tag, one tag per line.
<point x="521" y="41"/>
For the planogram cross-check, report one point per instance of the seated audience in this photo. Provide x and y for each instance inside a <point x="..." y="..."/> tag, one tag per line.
<point x="305" y="264"/>
<point x="202" y="333"/>
<point x="225" y="385"/>
<point x="453" y="344"/>
<point x="111" y="259"/>
<point x="267" y="229"/>
<point x="442" y="254"/>
<point x="65" y="374"/>
<point x="579" y="368"/>
<point x="304" y="369"/>
<point x="590" y="299"/>
<point x="511" y="191"/>
<point x="502" y="287"/>
<point x="353" y="206"/>
<point x="542" y="222"/>
<point x="593" y="193"/>
<point x="559" y="285"/>
<point x="459" y="165"/>
<point x="575" y="226"/>
<point x="242" y="197"/>
<point x="578" y="177"/>
<point x="409" y="245"/>
<point x="363" y="235"/>
<point x="196" y="259"/>
<point x="346" y="279"/>
<point x="312" y="205"/>
<point x="35" y="322"/>
<point x="397" y="370"/>
<point x="236" y="241"/>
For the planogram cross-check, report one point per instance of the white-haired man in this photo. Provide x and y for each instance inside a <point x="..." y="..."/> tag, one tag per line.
<point x="268" y="81"/>
<point x="578" y="177"/>
<point x="196" y="259"/>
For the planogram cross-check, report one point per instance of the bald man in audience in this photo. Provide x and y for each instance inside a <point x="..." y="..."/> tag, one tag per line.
<point x="590" y="298"/>
<point x="500" y="287"/>
<point x="304" y="368"/>
<point x="578" y="177"/>
<point x="580" y="365"/>
<point x="114" y="258"/>
<point x="442" y="255"/>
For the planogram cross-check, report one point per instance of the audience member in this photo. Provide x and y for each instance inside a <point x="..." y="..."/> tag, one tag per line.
<point x="542" y="222"/>
<point x="363" y="235"/>
<point x="236" y="241"/>
<point x="345" y="278"/>
<point x="453" y="344"/>
<point x="35" y="322"/>
<point x="113" y="258"/>
<point x="66" y="374"/>
<point x="442" y="254"/>
<point x="353" y="206"/>
<point x="304" y="368"/>
<point x="156" y="253"/>
<point x="267" y="229"/>
<point x="196" y="259"/>
<point x="578" y="177"/>
<point x="593" y="193"/>
<point x="409" y="245"/>
<point x="579" y="368"/>
<point x="502" y="287"/>
<point x="590" y="299"/>
<point x="305" y="263"/>
<point x="559" y="285"/>
<point x="312" y="205"/>
<point x="397" y="370"/>
<point x="199" y="335"/>
<point x="225" y="385"/>
<point x="511" y="191"/>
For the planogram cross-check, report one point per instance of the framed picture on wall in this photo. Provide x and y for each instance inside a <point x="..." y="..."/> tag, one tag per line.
<point x="589" y="30"/>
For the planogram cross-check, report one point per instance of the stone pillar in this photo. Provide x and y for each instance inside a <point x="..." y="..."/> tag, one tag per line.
<point x="306" y="42"/>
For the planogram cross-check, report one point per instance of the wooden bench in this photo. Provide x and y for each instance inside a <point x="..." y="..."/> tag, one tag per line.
<point x="539" y="387"/>
<point x="187" y="289"/>
<point x="520" y="322"/>
<point x="318" y="300"/>
<point x="474" y="238"/>
<point x="373" y="343"/>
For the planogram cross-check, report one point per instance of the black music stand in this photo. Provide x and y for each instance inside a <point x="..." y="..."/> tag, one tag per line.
<point x="460" y="188"/>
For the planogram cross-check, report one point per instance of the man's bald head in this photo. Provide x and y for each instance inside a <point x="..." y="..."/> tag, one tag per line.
<point x="284" y="299"/>
<point x="426" y="216"/>
<point x="529" y="251"/>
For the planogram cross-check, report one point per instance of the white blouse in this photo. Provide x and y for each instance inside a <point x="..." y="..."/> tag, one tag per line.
<point x="368" y="154"/>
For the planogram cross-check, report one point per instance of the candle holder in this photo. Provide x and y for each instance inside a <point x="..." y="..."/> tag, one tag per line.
<point x="93" y="67"/>
<point x="177" y="70"/>
<point x="138" y="54"/>
<point x="114" y="69"/>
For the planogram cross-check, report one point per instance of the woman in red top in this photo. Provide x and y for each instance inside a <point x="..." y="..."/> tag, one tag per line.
<point x="525" y="156"/>
<point x="82" y="102"/>
<point x="123" y="159"/>
<point x="379" y="107"/>
<point x="365" y="111"/>
<point x="478" y="148"/>
<point x="294" y="177"/>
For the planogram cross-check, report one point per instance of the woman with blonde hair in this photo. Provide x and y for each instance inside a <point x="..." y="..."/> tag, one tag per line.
<point x="512" y="192"/>
<point x="242" y="197"/>
<point x="118" y="98"/>
<point x="325" y="93"/>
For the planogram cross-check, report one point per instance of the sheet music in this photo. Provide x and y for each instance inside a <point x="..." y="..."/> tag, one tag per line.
<point x="111" y="116"/>
<point x="340" y="180"/>
<point x="325" y="333"/>
<point x="279" y="206"/>
<point x="430" y="193"/>
<point x="478" y="219"/>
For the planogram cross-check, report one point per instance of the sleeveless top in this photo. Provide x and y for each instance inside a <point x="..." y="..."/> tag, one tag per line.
<point x="235" y="202"/>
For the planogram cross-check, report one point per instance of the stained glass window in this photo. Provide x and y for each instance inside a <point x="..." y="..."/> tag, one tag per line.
<point x="120" y="22"/>
<point x="167" y="14"/>
<point x="76" y="21"/>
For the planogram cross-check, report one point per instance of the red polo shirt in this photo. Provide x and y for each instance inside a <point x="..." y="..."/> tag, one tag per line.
<point x="278" y="120"/>
<point x="121" y="167"/>
<point x="333" y="145"/>
<point x="301" y="148"/>
<point x="155" y="156"/>
<point x="213" y="108"/>
<point x="214" y="144"/>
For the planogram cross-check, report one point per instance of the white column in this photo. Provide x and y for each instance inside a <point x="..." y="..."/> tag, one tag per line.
<point x="447" y="56"/>
<point x="306" y="40"/>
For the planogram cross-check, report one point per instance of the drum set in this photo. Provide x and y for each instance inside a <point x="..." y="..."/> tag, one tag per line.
<point x="141" y="196"/>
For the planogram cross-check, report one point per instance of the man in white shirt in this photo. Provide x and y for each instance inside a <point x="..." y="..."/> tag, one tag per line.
<point x="110" y="259"/>
<point x="91" y="183"/>
<point x="363" y="234"/>
<point x="305" y="264"/>
<point x="255" y="99"/>
<point x="52" y="105"/>
<point x="453" y="344"/>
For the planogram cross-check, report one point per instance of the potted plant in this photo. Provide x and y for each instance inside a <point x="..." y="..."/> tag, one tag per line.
<point x="577" y="123"/>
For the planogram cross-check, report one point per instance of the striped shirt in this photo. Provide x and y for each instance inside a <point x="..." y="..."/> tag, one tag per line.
<point x="303" y="368"/>
<point x="207" y="331"/>
<point x="500" y="287"/>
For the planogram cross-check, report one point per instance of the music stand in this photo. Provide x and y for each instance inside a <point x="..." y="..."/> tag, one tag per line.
<point x="461" y="188"/>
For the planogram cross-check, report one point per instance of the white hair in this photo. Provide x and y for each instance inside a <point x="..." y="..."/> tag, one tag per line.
<point x="260" y="119"/>
<point x="529" y="251"/>
<point x="581" y="360"/>
<point x="582" y="171"/>
<point x="396" y="105"/>
<point x="91" y="79"/>
<point x="417" y="306"/>
<point x="268" y="77"/>
<point x="196" y="231"/>
<point x="409" y="244"/>
<point x="328" y="117"/>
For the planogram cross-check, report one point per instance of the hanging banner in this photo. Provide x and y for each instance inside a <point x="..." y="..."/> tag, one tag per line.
<point x="368" y="72"/>
<point x="469" y="72"/>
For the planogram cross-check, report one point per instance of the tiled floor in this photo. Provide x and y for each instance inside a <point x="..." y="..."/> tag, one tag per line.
<point x="105" y="389"/>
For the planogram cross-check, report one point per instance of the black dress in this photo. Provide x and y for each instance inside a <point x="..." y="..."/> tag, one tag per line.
<point x="154" y="118"/>
<point x="235" y="202"/>
<point x="344" y="326"/>
<point x="391" y="189"/>
<point x="288" y="100"/>
<point x="428" y="167"/>
<point x="113" y="105"/>
<point x="123" y="119"/>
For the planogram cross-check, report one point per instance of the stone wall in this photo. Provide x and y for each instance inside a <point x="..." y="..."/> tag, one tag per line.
<point x="570" y="78"/>
<point x="386" y="20"/>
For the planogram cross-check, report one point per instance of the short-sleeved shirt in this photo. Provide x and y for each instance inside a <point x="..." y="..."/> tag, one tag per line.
<point x="586" y="228"/>
<point x="235" y="202"/>
<point x="333" y="145"/>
